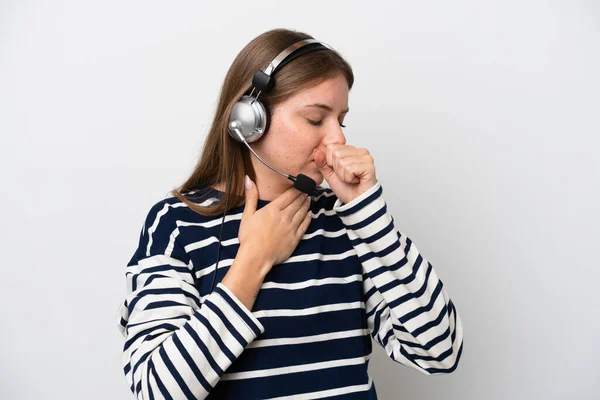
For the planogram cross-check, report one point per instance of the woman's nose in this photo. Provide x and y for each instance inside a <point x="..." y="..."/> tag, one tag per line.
<point x="335" y="136"/>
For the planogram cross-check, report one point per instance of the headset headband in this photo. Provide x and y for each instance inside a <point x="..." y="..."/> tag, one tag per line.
<point x="263" y="81"/>
<point x="272" y="66"/>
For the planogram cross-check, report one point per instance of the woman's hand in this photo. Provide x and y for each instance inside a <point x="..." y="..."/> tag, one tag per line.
<point x="274" y="231"/>
<point x="349" y="171"/>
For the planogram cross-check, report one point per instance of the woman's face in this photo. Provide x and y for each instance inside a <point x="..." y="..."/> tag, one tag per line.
<point x="309" y="120"/>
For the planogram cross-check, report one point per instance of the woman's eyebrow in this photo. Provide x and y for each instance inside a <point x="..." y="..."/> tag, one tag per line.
<point x="326" y="107"/>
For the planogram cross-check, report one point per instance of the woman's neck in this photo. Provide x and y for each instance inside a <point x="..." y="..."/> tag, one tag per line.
<point x="269" y="183"/>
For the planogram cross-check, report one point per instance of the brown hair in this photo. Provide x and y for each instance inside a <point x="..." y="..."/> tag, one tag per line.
<point x="214" y="165"/>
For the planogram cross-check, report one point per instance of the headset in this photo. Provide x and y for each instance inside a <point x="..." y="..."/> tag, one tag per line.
<point x="249" y="120"/>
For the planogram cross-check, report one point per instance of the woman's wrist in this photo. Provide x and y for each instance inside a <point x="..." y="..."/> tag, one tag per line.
<point x="252" y="260"/>
<point x="246" y="275"/>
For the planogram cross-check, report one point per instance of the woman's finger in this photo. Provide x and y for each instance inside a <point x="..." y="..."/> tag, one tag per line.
<point x="301" y="213"/>
<point x="304" y="226"/>
<point x="349" y="169"/>
<point x="287" y="198"/>
<point x="297" y="204"/>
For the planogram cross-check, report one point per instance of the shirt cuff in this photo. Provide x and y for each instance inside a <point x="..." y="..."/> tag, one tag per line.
<point x="361" y="207"/>
<point x="240" y="309"/>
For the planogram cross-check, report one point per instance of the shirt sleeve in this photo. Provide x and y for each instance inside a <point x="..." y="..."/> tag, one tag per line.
<point x="176" y="345"/>
<point x="408" y="310"/>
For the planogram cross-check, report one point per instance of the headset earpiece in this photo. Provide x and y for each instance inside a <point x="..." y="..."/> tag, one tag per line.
<point x="252" y="117"/>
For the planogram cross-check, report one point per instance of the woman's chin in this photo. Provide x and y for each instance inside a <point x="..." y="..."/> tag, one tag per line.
<point x="316" y="176"/>
<point x="313" y="172"/>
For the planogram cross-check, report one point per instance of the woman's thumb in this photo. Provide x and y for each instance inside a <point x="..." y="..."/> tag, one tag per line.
<point x="321" y="161"/>
<point x="251" y="197"/>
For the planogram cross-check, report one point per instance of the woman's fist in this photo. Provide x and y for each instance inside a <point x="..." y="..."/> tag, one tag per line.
<point x="349" y="171"/>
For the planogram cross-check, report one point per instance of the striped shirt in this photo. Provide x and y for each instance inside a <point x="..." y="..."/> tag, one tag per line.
<point x="352" y="277"/>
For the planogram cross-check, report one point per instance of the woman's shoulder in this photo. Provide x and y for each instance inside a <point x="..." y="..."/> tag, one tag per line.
<point x="172" y="208"/>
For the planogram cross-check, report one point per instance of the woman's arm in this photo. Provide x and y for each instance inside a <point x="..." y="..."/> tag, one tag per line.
<point x="176" y="346"/>
<point x="408" y="310"/>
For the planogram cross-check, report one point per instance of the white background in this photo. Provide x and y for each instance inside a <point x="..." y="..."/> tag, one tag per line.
<point x="482" y="118"/>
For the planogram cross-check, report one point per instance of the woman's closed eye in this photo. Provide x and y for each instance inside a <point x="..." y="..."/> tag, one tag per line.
<point x="319" y="123"/>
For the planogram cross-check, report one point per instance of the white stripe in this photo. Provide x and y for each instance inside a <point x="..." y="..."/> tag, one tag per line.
<point x="324" y="194"/>
<point x="329" y="234"/>
<point x="207" y="270"/>
<point x="175" y="233"/>
<point x="213" y="347"/>
<point x="319" y="256"/>
<point x="374" y="227"/>
<point x="382" y="243"/>
<point x="159" y="259"/>
<point x="330" y="392"/>
<point x="323" y="211"/>
<point x="146" y="383"/>
<point x="311" y="282"/>
<point x="198" y="359"/>
<point x="208" y="202"/>
<point x="435" y="351"/>
<point x="304" y="284"/>
<point x="294" y="368"/>
<point x="212" y="222"/>
<point x="426" y="317"/>
<point x="388" y="260"/>
<point x="307" y="311"/>
<point x="309" y="339"/>
<point x="171" y="245"/>
<point x="157" y="220"/>
<point x="235" y="320"/>
<point x="166" y="377"/>
<point x="206" y="242"/>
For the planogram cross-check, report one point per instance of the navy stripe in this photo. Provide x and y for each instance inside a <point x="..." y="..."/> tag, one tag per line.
<point x="369" y="220"/>
<point x="161" y="386"/>
<point x="431" y="324"/>
<point x="215" y="336"/>
<point x="238" y="310"/>
<point x="185" y="316"/>
<point x="204" y="349"/>
<point x="190" y="361"/>
<point x="165" y="358"/>
<point x="225" y="320"/>
<point x="409" y="296"/>
<point x="369" y="199"/>
<point x="161" y="291"/>
<point x="146" y="332"/>
<point x="374" y="237"/>
<point x="421" y="310"/>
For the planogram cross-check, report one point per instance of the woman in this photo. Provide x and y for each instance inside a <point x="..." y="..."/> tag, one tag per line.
<point x="303" y="282"/>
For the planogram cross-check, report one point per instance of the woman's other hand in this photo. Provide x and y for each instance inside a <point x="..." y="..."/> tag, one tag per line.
<point x="274" y="231"/>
